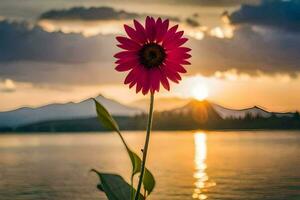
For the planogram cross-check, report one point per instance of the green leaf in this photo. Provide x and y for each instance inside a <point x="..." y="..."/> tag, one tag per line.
<point x="148" y="180"/>
<point x="114" y="186"/>
<point x="107" y="120"/>
<point x="135" y="161"/>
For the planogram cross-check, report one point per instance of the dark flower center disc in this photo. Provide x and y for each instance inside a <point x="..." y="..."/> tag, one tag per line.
<point x="152" y="55"/>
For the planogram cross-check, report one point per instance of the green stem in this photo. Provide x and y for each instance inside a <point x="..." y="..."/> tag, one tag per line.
<point x="145" y="150"/>
<point x="131" y="189"/>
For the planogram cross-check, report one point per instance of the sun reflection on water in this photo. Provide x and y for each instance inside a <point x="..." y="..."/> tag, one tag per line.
<point x="202" y="180"/>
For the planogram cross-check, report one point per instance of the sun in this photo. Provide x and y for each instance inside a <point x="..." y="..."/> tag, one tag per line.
<point x="199" y="91"/>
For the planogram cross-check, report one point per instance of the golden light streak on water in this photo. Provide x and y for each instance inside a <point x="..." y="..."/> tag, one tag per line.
<point x="202" y="180"/>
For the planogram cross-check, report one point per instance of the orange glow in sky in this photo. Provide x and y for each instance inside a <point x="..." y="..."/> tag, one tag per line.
<point x="199" y="91"/>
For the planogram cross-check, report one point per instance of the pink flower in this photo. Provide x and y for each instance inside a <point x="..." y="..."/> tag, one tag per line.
<point x="153" y="55"/>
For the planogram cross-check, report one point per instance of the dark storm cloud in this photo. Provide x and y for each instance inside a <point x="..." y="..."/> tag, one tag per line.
<point x="55" y="74"/>
<point x="272" y="13"/>
<point x="249" y="51"/>
<point x="94" y="13"/>
<point x="192" y="22"/>
<point x="30" y="54"/>
<point x="20" y="41"/>
<point x="215" y="3"/>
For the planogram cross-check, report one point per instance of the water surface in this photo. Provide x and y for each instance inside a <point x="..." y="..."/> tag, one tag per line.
<point x="187" y="165"/>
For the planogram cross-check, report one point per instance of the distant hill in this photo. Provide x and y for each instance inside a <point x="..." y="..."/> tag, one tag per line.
<point x="64" y="111"/>
<point x="162" y="103"/>
<point x="242" y="113"/>
<point x="170" y="103"/>
<point x="81" y="125"/>
<point x="76" y="117"/>
<point x="205" y="109"/>
<point x="202" y="111"/>
<point x="206" y="115"/>
<point x="193" y="115"/>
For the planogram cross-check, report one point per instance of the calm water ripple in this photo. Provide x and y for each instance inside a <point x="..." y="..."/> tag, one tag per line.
<point x="187" y="165"/>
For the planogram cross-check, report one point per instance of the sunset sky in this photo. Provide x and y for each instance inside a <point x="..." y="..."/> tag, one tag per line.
<point x="245" y="52"/>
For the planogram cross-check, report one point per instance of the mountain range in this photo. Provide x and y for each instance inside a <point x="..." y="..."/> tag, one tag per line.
<point x="242" y="113"/>
<point x="201" y="111"/>
<point x="71" y="110"/>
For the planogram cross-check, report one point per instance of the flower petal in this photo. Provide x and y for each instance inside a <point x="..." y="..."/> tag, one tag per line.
<point x="128" y="44"/>
<point x="158" y="23"/>
<point x="131" y="77"/>
<point x="173" y="76"/>
<point x="150" y="28"/>
<point x="135" y="78"/>
<point x="175" y="67"/>
<point x="155" y="79"/>
<point x="162" y="31"/>
<point x="181" y="50"/>
<point x="128" y="60"/>
<point x="170" y="32"/>
<point x="175" y="44"/>
<point x="134" y="35"/>
<point x="126" y="54"/>
<point x="178" y="56"/>
<point x="139" y="86"/>
<point x="132" y="83"/>
<point x="141" y="79"/>
<point x="125" y="67"/>
<point x="146" y="85"/>
<point x="173" y="38"/>
<point x="141" y="33"/>
<point x="184" y="62"/>
<point x="158" y="26"/>
<point x="164" y="80"/>
<point x="184" y="49"/>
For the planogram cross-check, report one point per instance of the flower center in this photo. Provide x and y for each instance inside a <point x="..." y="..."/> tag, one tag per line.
<point x="152" y="55"/>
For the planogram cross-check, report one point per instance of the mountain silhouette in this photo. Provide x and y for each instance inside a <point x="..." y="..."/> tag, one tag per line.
<point x="63" y="111"/>
<point x="195" y="114"/>
<point x="201" y="111"/>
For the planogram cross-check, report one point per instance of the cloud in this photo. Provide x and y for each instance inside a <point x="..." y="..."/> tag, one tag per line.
<point x="30" y="54"/>
<point x="7" y="85"/>
<point x="95" y="14"/>
<point x="284" y="15"/>
<point x="192" y="22"/>
<point x="253" y="51"/>
<point x="92" y="13"/>
<point x="215" y="3"/>
<point x="91" y="21"/>
<point x="58" y="74"/>
<point x="20" y="41"/>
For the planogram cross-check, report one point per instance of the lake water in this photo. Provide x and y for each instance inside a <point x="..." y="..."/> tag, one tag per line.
<point x="188" y="165"/>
